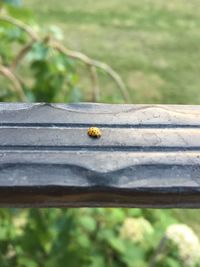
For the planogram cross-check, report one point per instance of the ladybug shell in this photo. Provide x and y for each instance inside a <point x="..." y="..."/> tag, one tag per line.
<point x="94" y="132"/>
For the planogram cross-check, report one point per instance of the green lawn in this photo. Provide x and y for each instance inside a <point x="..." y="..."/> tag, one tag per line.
<point x="153" y="44"/>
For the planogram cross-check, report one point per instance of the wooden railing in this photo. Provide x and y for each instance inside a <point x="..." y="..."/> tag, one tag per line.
<point x="147" y="155"/>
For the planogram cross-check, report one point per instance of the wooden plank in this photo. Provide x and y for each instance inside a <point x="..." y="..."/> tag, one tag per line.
<point x="148" y="155"/>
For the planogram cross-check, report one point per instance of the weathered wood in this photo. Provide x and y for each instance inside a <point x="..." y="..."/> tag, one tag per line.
<point x="148" y="155"/>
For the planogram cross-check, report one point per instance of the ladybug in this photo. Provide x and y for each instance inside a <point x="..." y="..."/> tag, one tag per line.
<point x="94" y="132"/>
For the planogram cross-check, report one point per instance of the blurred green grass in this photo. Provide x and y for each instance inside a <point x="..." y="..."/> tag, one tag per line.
<point x="153" y="44"/>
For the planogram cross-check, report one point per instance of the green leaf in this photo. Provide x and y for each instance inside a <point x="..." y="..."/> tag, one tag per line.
<point x="27" y="262"/>
<point x="84" y="241"/>
<point x="116" y="215"/>
<point x="38" y="52"/>
<point x="88" y="223"/>
<point x="97" y="261"/>
<point x="133" y="256"/>
<point x="117" y="244"/>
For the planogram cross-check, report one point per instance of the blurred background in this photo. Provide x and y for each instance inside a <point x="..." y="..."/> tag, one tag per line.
<point x="105" y="51"/>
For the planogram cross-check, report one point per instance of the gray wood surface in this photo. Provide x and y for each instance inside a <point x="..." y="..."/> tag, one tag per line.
<point x="148" y="155"/>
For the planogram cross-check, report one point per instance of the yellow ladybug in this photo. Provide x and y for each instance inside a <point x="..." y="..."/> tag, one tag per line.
<point x="94" y="132"/>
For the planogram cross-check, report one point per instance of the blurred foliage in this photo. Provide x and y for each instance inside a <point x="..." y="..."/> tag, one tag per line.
<point x="85" y="237"/>
<point x="39" y="67"/>
<point x="47" y="74"/>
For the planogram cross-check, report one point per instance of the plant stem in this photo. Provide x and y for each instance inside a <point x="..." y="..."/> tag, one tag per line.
<point x="93" y="64"/>
<point x="158" y="251"/>
<point x="6" y="72"/>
